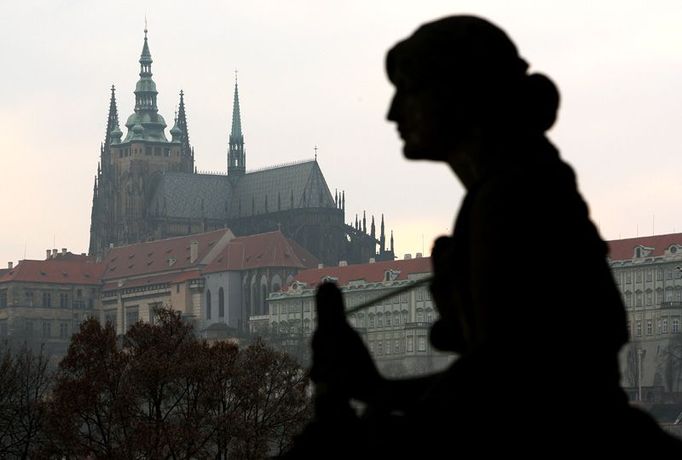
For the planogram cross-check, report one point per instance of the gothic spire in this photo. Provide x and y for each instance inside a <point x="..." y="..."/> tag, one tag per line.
<point x="392" y="249"/>
<point x="373" y="232"/>
<point x="382" y="237"/>
<point x="146" y="123"/>
<point x="236" y="156"/>
<point x="114" y="133"/>
<point x="364" y="222"/>
<point x="182" y="125"/>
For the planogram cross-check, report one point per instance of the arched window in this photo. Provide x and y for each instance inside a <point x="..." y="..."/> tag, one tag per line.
<point x="208" y="304"/>
<point x="221" y="303"/>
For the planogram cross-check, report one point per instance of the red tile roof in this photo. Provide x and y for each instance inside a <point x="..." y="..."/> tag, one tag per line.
<point x="155" y="257"/>
<point x="81" y="270"/>
<point x="271" y="249"/>
<point x="371" y="273"/>
<point x="625" y="249"/>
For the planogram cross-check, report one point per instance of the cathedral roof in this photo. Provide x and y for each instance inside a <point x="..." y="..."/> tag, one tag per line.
<point x="197" y="196"/>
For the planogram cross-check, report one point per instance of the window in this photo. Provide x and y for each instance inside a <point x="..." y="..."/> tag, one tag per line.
<point x="221" y="303"/>
<point x="28" y="328"/>
<point x="380" y="320"/>
<point x="63" y="300"/>
<point x="649" y="275"/>
<point x="380" y="347"/>
<point x="628" y="277"/>
<point x="47" y="299"/>
<point x="3" y="328"/>
<point x="208" y="304"/>
<point x="429" y="316"/>
<point x="421" y="343"/>
<point x="3" y="298"/>
<point x="675" y="326"/>
<point x="371" y="320"/>
<point x="388" y="319"/>
<point x="420" y="315"/>
<point x="147" y="150"/>
<point x="396" y="318"/>
<point x="638" y="276"/>
<point x="404" y="316"/>
<point x="420" y="294"/>
<point x="396" y="346"/>
<point x="649" y="327"/>
<point x="638" y="299"/>
<point x="638" y="329"/>
<point x="28" y="297"/>
<point x="659" y="327"/>
<point x="649" y="298"/>
<point x="47" y="329"/>
<point x="132" y="316"/>
<point x="110" y="318"/>
<point x="409" y="344"/>
<point x="659" y="274"/>
<point x="665" y="326"/>
<point x="63" y="330"/>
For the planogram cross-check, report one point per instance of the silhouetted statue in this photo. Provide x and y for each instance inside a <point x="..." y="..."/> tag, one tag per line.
<point x="523" y="288"/>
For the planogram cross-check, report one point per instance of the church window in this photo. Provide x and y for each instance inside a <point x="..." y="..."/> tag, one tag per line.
<point x="208" y="304"/>
<point x="221" y="303"/>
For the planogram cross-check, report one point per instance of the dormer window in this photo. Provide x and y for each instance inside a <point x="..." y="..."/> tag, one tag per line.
<point x="642" y="251"/>
<point x="391" y="275"/>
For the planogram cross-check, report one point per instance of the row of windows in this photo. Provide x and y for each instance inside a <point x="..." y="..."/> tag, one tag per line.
<point x="652" y="297"/>
<point x="661" y="327"/>
<point x="47" y="329"/>
<point x="626" y="276"/>
<point x="395" y="346"/>
<point x="147" y="151"/>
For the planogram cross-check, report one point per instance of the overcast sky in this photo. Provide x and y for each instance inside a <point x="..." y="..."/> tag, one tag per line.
<point x="311" y="73"/>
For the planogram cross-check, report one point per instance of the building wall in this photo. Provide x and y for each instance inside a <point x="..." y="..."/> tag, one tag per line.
<point x="651" y="288"/>
<point x="395" y="331"/>
<point x="230" y="282"/>
<point x="44" y="313"/>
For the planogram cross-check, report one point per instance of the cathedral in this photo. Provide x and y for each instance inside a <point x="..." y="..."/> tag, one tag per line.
<point x="147" y="188"/>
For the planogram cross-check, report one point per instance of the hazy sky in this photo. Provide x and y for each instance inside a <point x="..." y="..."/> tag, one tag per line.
<point x="311" y="73"/>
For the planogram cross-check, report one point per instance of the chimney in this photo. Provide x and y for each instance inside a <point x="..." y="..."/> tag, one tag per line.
<point x="372" y="260"/>
<point x="418" y="255"/>
<point x="63" y="251"/>
<point x="320" y="265"/>
<point x="343" y="263"/>
<point x="54" y="253"/>
<point x="83" y="254"/>
<point x="10" y="265"/>
<point x="408" y="256"/>
<point x="48" y="254"/>
<point x="193" y="251"/>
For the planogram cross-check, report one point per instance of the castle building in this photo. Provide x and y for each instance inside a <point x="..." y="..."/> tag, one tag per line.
<point x="215" y="279"/>
<point x="648" y="272"/>
<point x="42" y="302"/>
<point x="395" y="330"/>
<point x="147" y="188"/>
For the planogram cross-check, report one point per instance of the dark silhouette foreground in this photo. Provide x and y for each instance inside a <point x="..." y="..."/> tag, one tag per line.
<point x="524" y="292"/>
